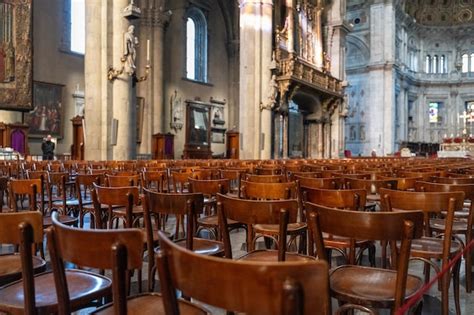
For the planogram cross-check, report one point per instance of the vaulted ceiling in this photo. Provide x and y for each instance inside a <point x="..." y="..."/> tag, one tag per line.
<point x="441" y="12"/>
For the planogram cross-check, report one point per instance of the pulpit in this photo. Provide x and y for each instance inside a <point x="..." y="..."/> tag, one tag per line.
<point x="14" y="136"/>
<point x="77" y="147"/>
<point x="162" y="146"/>
<point x="232" y="144"/>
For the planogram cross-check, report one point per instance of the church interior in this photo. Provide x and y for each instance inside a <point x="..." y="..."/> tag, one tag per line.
<point x="267" y="139"/>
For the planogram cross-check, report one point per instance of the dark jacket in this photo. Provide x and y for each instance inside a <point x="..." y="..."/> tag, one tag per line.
<point x="48" y="148"/>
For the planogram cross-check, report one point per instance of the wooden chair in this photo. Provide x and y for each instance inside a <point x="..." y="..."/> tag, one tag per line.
<point x="121" y="203"/>
<point x="462" y="223"/>
<point x="431" y="248"/>
<point x="210" y="188"/>
<point x="349" y="199"/>
<point x="403" y="183"/>
<point x="372" y="187"/>
<point x="84" y="187"/>
<point x="269" y="171"/>
<point x="36" y="294"/>
<point x="370" y="287"/>
<point x="32" y="189"/>
<point x="118" y="250"/>
<point x="276" y="191"/>
<point x="185" y="204"/>
<point x="156" y="180"/>
<point x="451" y="180"/>
<point x="180" y="181"/>
<point x="241" y="286"/>
<point x="57" y="192"/>
<point x="234" y="177"/>
<point x="259" y="213"/>
<point x="11" y="263"/>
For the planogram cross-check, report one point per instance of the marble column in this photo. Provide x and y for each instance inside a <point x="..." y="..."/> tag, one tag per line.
<point x="255" y="58"/>
<point x="123" y="105"/>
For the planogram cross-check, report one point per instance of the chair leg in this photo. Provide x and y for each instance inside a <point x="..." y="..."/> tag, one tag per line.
<point x="139" y="279"/>
<point x="468" y="270"/>
<point x="456" y="271"/>
<point x="445" y="280"/>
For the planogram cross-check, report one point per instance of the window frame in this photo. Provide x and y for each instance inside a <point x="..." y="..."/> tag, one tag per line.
<point x="201" y="54"/>
<point x="65" y="41"/>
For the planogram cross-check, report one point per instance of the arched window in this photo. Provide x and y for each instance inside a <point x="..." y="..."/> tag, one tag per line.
<point x="196" y="45"/>
<point x="472" y="63"/>
<point x="435" y="66"/>
<point x="442" y="64"/>
<point x="78" y="26"/>
<point x="465" y="63"/>
<point x="428" y="64"/>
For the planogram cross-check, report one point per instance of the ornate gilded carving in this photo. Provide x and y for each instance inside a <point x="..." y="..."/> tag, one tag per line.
<point x="16" y="56"/>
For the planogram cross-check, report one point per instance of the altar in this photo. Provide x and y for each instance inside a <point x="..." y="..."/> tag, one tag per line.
<point x="459" y="146"/>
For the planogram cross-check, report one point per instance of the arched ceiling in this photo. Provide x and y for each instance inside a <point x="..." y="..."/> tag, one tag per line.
<point x="441" y="12"/>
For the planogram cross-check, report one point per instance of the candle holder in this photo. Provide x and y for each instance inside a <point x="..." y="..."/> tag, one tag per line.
<point x="113" y="73"/>
<point x="145" y="77"/>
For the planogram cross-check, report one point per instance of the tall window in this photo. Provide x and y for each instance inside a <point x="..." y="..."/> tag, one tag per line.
<point x="428" y="64"/>
<point x="472" y="63"/>
<point x="78" y="26"/>
<point x="433" y="112"/>
<point x="435" y="64"/>
<point x="196" y="45"/>
<point x="442" y="64"/>
<point x="465" y="63"/>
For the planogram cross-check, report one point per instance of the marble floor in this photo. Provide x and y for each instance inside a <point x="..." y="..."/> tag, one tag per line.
<point x="431" y="300"/>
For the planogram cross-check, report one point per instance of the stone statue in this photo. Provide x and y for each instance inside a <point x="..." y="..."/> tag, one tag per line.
<point x="327" y="62"/>
<point x="176" y="112"/>
<point x="130" y="52"/>
<point x="272" y="93"/>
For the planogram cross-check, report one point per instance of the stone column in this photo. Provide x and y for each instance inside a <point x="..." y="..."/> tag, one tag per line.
<point x="123" y="105"/>
<point x="255" y="58"/>
<point x="96" y="123"/>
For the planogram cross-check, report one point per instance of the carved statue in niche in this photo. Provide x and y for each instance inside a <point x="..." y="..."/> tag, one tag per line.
<point x="362" y="133"/>
<point x="352" y="133"/>
<point x="7" y="49"/>
<point x="130" y="52"/>
<point x="177" y="111"/>
<point x="272" y="94"/>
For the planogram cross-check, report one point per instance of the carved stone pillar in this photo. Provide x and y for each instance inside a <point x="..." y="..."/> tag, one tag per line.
<point x="255" y="59"/>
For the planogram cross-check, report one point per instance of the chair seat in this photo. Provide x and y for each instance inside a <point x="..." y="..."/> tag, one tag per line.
<point x="439" y="225"/>
<point x="272" y="255"/>
<point x="64" y="219"/>
<point x="136" y="211"/>
<point x="213" y="221"/>
<point x="293" y="228"/>
<point x="374" y="286"/>
<point x="431" y="247"/>
<point x="10" y="267"/>
<point x="205" y="247"/>
<point x="152" y="304"/>
<point x="83" y="287"/>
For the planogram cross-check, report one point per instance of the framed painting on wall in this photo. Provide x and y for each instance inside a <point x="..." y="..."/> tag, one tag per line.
<point x="47" y="114"/>
<point x="16" y="55"/>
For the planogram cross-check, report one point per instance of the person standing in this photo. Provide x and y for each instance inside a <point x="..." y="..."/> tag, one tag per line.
<point x="48" y="148"/>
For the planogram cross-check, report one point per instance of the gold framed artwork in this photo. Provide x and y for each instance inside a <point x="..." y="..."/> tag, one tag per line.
<point x="47" y="114"/>
<point x="16" y="55"/>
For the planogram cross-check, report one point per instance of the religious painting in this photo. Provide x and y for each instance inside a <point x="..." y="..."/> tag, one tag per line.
<point x="198" y="124"/>
<point x="47" y="114"/>
<point x="16" y="55"/>
<point x="433" y="112"/>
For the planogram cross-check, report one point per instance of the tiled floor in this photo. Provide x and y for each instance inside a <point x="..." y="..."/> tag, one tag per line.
<point x="431" y="301"/>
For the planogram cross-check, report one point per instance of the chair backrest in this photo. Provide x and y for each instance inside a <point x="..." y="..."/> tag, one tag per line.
<point x="122" y="181"/>
<point x="9" y="223"/>
<point x="57" y="188"/>
<point x="189" y="204"/>
<point x="85" y="184"/>
<point x="269" y="171"/>
<point x="248" y="287"/>
<point x="115" y="196"/>
<point x="180" y="180"/>
<point x="119" y="250"/>
<point x="266" y="178"/>
<point x="403" y="183"/>
<point x="383" y="226"/>
<point x="322" y="183"/>
<point x="209" y="187"/>
<point x="371" y="186"/>
<point x="251" y="212"/>
<point x="352" y="199"/>
<point x="468" y="189"/>
<point x="30" y="188"/>
<point x="269" y="191"/>
<point x="451" y="180"/>
<point x="157" y="180"/>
